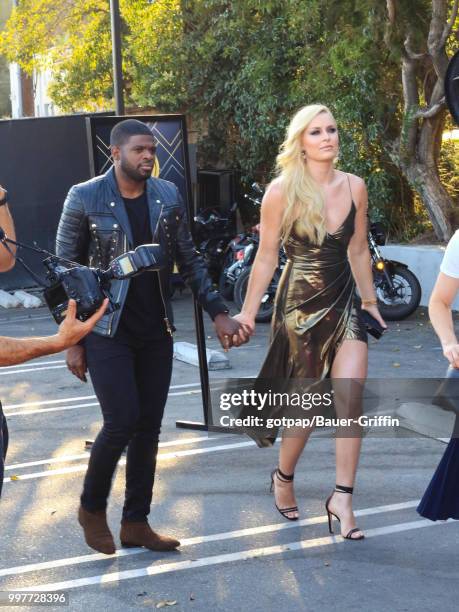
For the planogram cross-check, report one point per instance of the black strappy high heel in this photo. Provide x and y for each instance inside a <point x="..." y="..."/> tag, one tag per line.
<point x="285" y="478"/>
<point x="341" y="489"/>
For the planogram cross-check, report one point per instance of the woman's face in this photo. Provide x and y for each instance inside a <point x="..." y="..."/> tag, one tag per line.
<point x="319" y="140"/>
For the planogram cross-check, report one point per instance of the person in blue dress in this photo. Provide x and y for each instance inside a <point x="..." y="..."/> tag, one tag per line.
<point x="441" y="499"/>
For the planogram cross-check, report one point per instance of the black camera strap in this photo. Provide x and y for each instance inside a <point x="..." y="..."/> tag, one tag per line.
<point x="5" y="240"/>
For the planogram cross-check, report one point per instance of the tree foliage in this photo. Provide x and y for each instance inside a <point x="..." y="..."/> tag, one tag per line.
<point x="241" y="69"/>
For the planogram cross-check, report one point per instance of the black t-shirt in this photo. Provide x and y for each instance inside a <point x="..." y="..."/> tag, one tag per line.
<point x="143" y="313"/>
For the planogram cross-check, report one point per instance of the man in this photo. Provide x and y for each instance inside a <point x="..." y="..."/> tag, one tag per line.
<point x="130" y="355"/>
<point x="12" y="350"/>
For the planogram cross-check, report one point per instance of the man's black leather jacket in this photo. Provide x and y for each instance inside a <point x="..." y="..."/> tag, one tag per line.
<point x="94" y="228"/>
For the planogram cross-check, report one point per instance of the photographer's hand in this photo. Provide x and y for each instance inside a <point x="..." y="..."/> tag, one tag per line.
<point x="71" y="330"/>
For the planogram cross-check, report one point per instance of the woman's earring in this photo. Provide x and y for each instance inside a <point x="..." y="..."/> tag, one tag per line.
<point x="303" y="154"/>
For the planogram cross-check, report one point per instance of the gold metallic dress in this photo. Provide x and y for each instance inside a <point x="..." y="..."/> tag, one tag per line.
<point x="316" y="308"/>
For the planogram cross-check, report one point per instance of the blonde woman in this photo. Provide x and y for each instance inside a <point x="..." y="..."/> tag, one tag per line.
<point x="320" y="214"/>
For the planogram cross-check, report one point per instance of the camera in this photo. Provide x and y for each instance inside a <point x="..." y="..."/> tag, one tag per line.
<point x="90" y="286"/>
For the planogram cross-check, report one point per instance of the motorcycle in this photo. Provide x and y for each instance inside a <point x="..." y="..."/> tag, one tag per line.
<point x="213" y="232"/>
<point x="234" y="253"/>
<point x="266" y="309"/>
<point x="397" y="289"/>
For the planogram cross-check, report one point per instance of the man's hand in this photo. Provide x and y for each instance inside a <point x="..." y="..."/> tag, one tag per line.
<point x="76" y="362"/>
<point x="229" y="332"/>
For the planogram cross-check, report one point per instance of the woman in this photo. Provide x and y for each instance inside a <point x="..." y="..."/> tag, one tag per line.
<point x="320" y="214"/>
<point x="441" y="499"/>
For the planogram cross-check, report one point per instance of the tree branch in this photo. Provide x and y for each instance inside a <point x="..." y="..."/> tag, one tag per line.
<point x="430" y="111"/>
<point x="391" y="11"/>
<point x="410" y="53"/>
<point x="449" y="26"/>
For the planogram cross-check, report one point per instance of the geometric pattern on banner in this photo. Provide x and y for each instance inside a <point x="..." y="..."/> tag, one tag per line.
<point x="170" y="158"/>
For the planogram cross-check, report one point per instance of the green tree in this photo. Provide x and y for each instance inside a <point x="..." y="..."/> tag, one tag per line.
<point x="72" y="38"/>
<point x="243" y="68"/>
<point x="417" y="34"/>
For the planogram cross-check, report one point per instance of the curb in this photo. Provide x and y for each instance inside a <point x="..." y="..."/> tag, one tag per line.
<point x="188" y="353"/>
<point x="425" y="419"/>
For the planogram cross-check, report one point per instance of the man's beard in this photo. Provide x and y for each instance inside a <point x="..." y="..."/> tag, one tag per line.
<point x="133" y="173"/>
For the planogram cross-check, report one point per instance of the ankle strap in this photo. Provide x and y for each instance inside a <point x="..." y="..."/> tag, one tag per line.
<point x="287" y="477"/>
<point x="343" y="489"/>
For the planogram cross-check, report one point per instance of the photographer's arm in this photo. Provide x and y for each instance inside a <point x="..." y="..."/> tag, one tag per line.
<point x="71" y="330"/>
<point x="6" y="222"/>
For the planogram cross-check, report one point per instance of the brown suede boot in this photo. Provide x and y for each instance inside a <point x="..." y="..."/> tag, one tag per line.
<point x="141" y="534"/>
<point x="96" y="531"/>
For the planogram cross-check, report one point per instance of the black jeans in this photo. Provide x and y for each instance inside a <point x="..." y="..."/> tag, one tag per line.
<point x="131" y="381"/>
<point x="3" y="445"/>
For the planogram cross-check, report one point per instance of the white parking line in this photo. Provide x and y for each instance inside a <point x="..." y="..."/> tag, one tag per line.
<point x="216" y="537"/>
<point x="78" y="398"/>
<point x="32" y="364"/>
<point x="161" y="456"/>
<point x="44" y="410"/>
<point x="154" y="570"/>
<point x="69" y="399"/>
<point x="56" y="367"/>
<point x="74" y="407"/>
<point x="49" y="402"/>
<point x="65" y="458"/>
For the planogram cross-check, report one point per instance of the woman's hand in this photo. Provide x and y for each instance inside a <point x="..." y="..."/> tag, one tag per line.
<point x="451" y="352"/>
<point x="246" y="322"/>
<point x="373" y="310"/>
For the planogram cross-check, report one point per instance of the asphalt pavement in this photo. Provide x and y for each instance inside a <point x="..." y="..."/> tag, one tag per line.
<point x="212" y="493"/>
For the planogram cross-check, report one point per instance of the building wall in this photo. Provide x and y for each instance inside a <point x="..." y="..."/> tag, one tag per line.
<point x="5" y="103"/>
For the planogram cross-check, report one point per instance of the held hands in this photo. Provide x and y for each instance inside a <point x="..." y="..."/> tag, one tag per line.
<point x="451" y="352"/>
<point x="247" y="323"/>
<point x="229" y="331"/>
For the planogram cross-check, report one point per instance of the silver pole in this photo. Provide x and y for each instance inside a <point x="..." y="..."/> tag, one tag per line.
<point x="116" y="54"/>
<point x="16" y="74"/>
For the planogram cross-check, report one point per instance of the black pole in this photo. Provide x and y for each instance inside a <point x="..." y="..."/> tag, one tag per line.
<point x="116" y="54"/>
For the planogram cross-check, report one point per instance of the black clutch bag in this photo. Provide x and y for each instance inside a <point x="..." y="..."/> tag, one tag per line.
<point x="373" y="326"/>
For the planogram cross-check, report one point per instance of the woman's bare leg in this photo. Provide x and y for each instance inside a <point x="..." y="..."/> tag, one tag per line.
<point x="351" y="362"/>
<point x="292" y="445"/>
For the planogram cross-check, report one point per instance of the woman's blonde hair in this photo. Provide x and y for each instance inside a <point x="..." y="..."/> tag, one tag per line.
<point x="305" y="201"/>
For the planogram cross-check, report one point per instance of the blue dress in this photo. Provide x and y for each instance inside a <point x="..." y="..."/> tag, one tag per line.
<point x="441" y="499"/>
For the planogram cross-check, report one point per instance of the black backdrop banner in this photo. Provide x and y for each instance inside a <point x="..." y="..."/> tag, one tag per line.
<point x="40" y="159"/>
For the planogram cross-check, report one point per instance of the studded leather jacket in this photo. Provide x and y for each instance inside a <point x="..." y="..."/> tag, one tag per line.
<point x="94" y="228"/>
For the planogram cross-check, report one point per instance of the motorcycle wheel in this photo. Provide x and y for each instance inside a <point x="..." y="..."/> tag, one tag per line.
<point x="407" y="298"/>
<point x="240" y="289"/>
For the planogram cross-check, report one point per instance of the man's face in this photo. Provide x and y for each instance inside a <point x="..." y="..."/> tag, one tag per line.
<point x="136" y="157"/>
